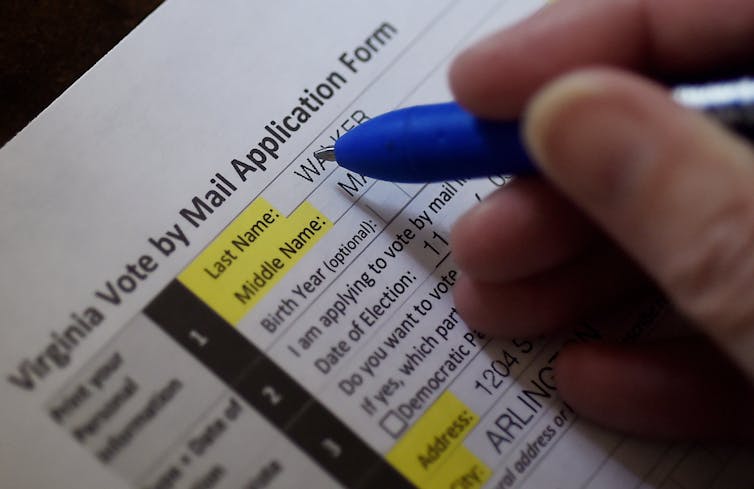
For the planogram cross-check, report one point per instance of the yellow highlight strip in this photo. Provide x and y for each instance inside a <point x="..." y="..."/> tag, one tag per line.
<point x="431" y="454"/>
<point x="251" y="255"/>
<point x="462" y="471"/>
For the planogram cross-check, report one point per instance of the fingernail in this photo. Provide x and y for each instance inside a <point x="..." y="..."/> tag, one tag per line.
<point x="589" y="138"/>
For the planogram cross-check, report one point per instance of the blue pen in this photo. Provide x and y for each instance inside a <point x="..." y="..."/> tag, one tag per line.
<point x="430" y="143"/>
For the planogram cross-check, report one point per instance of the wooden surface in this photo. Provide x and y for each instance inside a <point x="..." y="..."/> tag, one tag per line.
<point x="45" y="45"/>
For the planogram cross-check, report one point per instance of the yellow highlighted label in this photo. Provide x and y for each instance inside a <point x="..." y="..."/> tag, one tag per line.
<point x="251" y="255"/>
<point x="431" y="454"/>
<point x="461" y="471"/>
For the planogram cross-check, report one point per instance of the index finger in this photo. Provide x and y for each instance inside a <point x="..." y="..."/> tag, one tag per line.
<point x="496" y="77"/>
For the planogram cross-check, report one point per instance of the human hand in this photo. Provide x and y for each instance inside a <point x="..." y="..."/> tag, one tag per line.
<point x="637" y="192"/>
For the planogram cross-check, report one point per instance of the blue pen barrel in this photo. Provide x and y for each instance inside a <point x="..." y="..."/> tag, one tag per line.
<point x="433" y="143"/>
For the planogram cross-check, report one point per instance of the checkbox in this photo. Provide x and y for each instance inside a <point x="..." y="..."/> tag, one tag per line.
<point x="393" y="424"/>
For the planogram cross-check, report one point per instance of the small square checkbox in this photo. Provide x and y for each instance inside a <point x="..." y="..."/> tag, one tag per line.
<point x="393" y="424"/>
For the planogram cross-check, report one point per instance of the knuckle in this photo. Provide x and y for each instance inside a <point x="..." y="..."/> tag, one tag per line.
<point x="711" y="278"/>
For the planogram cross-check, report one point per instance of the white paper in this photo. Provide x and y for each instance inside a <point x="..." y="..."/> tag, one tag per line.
<point x="352" y="367"/>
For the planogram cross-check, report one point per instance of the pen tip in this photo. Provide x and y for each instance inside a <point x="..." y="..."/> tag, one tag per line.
<point x="327" y="153"/>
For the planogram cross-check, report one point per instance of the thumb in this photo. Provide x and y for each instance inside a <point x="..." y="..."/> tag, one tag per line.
<point x="674" y="190"/>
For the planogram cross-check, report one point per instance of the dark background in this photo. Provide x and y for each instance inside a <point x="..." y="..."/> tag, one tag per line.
<point x="45" y="45"/>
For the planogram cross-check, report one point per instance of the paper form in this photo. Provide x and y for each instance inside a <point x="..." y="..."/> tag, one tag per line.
<point x="192" y="300"/>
